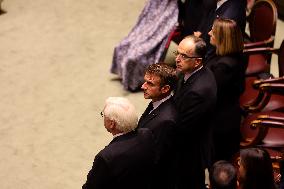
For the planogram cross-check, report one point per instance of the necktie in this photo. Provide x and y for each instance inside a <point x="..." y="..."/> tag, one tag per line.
<point x="145" y="114"/>
<point x="149" y="108"/>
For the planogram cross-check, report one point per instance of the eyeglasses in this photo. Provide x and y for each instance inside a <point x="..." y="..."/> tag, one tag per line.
<point x="102" y="114"/>
<point x="184" y="56"/>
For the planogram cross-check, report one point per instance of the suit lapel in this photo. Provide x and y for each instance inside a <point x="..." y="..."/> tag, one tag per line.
<point x="145" y="118"/>
<point x="180" y="86"/>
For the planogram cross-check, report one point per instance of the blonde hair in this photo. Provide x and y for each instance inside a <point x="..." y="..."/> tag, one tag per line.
<point x="121" y="111"/>
<point x="228" y="37"/>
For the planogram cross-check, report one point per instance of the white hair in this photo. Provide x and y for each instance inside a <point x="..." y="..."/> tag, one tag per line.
<point x="121" y="111"/>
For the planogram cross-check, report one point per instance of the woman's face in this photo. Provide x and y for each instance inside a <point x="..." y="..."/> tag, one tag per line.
<point x="212" y="37"/>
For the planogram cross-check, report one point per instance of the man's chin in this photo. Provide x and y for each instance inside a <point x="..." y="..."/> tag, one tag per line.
<point x="146" y="96"/>
<point x="178" y="69"/>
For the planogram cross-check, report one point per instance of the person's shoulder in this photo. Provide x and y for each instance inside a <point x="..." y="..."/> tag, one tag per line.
<point x="231" y="60"/>
<point x="165" y="108"/>
<point x="144" y="133"/>
<point x="169" y="107"/>
<point x="123" y="143"/>
<point x="206" y="74"/>
<point x="206" y="79"/>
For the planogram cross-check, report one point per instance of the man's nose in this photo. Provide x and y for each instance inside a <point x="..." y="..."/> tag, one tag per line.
<point x="177" y="59"/>
<point x="143" y="86"/>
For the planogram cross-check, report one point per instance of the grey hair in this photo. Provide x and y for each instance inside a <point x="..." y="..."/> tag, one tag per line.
<point x="120" y="110"/>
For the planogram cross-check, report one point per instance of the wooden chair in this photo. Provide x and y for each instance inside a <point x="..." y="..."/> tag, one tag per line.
<point x="255" y="111"/>
<point x="270" y="136"/>
<point x="251" y="90"/>
<point x="262" y="27"/>
<point x="264" y="128"/>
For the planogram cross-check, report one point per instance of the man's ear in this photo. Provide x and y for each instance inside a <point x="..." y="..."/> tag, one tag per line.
<point x="112" y="125"/>
<point x="198" y="62"/>
<point x="165" y="89"/>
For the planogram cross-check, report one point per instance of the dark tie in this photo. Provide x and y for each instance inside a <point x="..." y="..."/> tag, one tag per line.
<point x="180" y="85"/>
<point x="145" y="114"/>
<point x="149" y="108"/>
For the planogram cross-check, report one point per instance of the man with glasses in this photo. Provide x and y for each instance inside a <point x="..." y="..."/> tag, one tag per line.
<point x="160" y="117"/>
<point x="195" y="98"/>
<point x="129" y="157"/>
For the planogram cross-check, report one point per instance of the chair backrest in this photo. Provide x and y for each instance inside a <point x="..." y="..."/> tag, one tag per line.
<point x="262" y="20"/>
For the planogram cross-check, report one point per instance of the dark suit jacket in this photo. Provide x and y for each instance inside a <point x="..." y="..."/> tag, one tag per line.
<point x="124" y="162"/>
<point x="229" y="72"/>
<point x="161" y="122"/>
<point x="195" y="102"/>
<point x="191" y="12"/>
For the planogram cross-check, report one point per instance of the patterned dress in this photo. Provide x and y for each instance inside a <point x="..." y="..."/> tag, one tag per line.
<point x="145" y="43"/>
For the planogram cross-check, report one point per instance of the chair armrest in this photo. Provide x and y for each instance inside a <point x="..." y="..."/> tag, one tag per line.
<point x="262" y="127"/>
<point x="253" y="141"/>
<point x="256" y="84"/>
<point x="270" y="117"/>
<point x="264" y="43"/>
<point x="265" y="88"/>
<point x="273" y="88"/>
<point x="260" y="50"/>
<point x="267" y="124"/>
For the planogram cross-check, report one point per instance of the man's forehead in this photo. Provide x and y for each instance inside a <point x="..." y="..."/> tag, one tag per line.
<point x="186" y="46"/>
<point x="152" y="76"/>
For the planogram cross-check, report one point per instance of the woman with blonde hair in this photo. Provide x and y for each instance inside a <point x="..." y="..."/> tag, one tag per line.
<point x="228" y="66"/>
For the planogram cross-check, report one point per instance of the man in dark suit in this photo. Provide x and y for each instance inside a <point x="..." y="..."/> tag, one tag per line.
<point x="195" y="98"/>
<point x="160" y="117"/>
<point x="130" y="155"/>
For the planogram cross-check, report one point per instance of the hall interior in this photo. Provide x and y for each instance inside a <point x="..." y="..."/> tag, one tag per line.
<point x="54" y="79"/>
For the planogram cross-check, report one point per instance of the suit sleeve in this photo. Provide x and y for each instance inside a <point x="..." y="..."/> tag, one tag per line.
<point x="99" y="175"/>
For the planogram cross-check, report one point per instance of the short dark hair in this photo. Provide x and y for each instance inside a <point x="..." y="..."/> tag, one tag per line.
<point x="166" y="73"/>
<point x="223" y="175"/>
<point x="200" y="46"/>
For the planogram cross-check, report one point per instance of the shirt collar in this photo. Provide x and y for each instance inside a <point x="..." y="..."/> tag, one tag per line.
<point x="187" y="75"/>
<point x="220" y="3"/>
<point x="117" y="135"/>
<point x="159" y="102"/>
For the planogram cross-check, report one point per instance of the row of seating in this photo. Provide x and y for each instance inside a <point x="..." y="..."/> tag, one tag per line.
<point x="263" y="100"/>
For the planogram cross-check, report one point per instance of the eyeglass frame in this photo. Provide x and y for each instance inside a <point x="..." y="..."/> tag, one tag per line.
<point x="102" y="113"/>
<point x="184" y="56"/>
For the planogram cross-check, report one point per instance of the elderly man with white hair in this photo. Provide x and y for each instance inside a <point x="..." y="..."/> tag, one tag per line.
<point x="128" y="161"/>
